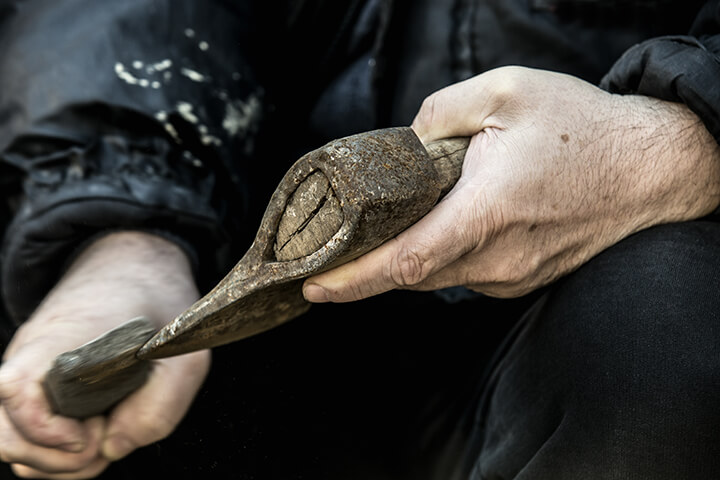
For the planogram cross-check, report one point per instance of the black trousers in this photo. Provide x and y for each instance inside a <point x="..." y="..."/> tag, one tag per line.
<point x="612" y="373"/>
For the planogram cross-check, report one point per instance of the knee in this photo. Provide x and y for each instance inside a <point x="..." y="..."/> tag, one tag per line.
<point x="618" y="365"/>
<point x="643" y="318"/>
<point x="667" y="272"/>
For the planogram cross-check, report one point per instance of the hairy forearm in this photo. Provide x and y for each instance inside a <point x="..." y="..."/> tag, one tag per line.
<point x="146" y="267"/>
<point x="672" y="162"/>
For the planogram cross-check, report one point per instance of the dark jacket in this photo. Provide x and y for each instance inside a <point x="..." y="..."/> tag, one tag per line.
<point x="178" y="117"/>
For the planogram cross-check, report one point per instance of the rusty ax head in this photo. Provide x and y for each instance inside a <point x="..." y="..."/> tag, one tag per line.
<point x="334" y="204"/>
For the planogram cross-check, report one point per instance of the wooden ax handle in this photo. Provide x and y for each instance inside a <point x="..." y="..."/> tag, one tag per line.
<point x="447" y="156"/>
<point x="93" y="378"/>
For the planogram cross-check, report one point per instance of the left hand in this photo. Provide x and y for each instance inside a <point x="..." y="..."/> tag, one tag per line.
<point x="120" y="276"/>
<point x="557" y="171"/>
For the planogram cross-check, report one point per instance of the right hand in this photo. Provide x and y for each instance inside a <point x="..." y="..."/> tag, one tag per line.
<point x="120" y="276"/>
<point x="557" y="171"/>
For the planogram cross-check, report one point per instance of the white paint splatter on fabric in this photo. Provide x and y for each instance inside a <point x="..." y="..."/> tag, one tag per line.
<point x="162" y="65"/>
<point x="239" y="115"/>
<point x="193" y="75"/>
<point x="210" y="140"/>
<point x="173" y="133"/>
<point x="124" y="75"/>
<point x="186" y="111"/>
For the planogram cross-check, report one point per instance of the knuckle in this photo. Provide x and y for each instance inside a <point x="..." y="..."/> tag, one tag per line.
<point x="515" y="273"/>
<point x="11" y="380"/>
<point x="34" y="420"/>
<point x="357" y="291"/>
<point x="408" y="268"/>
<point x="510" y="80"/>
<point x="502" y="274"/>
<point x="6" y="454"/>
<point x="154" y="428"/>
<point x="22" y="471"/>
<point x="34" y="423"/>
<point x="428" y="113"/>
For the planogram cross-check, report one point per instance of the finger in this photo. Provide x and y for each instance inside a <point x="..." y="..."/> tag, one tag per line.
<point x="91" y="471"/>
<point x="457" y="273"/>
<point x="465" y="272"/>
<point x="14" y="448"/>
<point x="26" y="405"/>
<point x="406" y="261"/>
<point x="152" y="413"/>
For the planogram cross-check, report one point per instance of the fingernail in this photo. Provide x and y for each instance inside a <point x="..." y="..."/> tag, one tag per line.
<point x="74" y="447"/>
<point x="117" y="447"/>
<point x="315" y="293"/>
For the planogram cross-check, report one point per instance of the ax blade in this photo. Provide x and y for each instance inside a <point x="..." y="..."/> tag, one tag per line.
<point x="334" y="204"/>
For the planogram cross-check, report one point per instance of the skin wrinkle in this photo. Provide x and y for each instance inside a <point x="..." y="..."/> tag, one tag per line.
<point x="665" y="185"/>
<point x="409" y="268"/>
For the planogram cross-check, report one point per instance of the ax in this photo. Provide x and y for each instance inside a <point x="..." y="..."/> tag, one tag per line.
<point x="333" y="205"/>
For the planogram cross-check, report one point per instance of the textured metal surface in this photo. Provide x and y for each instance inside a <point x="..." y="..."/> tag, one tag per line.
<point x="384" y="181"/>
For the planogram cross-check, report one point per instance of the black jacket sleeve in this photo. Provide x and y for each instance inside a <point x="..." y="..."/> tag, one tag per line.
<point x="176" y="117"/>
<point x="120" y="115"/>
<point x="677" y="68"/>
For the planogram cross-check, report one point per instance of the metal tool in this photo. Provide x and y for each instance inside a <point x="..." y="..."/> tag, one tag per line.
<point x="334" y="204"/>
<point x="340" y="201"/>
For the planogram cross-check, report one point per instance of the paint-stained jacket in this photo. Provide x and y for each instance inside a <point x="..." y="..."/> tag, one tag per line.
<point x="178" y="117"/>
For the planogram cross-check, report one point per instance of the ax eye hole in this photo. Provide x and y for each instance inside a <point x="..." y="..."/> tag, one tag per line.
<point x="311" y="217"/>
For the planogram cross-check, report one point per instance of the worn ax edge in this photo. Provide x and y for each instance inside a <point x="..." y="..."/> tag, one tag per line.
<point x="92" y="378"/>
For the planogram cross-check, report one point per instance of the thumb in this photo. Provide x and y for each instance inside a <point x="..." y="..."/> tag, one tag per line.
<point x="403" y="262"/>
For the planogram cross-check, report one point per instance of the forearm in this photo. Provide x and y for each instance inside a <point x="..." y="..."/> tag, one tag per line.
<point x="127" y="274"/>
<point x="143" y="264"/>
<point x="666" y="158"/>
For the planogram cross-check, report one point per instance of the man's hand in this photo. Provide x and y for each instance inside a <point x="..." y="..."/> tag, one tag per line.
<point x="120" y="276"/>
<point x="557" y="171"/>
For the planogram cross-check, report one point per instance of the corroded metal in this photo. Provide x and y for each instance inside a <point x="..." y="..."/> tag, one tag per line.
<point x="382" y="182"/>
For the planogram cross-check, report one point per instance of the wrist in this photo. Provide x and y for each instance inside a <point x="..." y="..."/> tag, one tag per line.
<point x="670" y="161"/>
